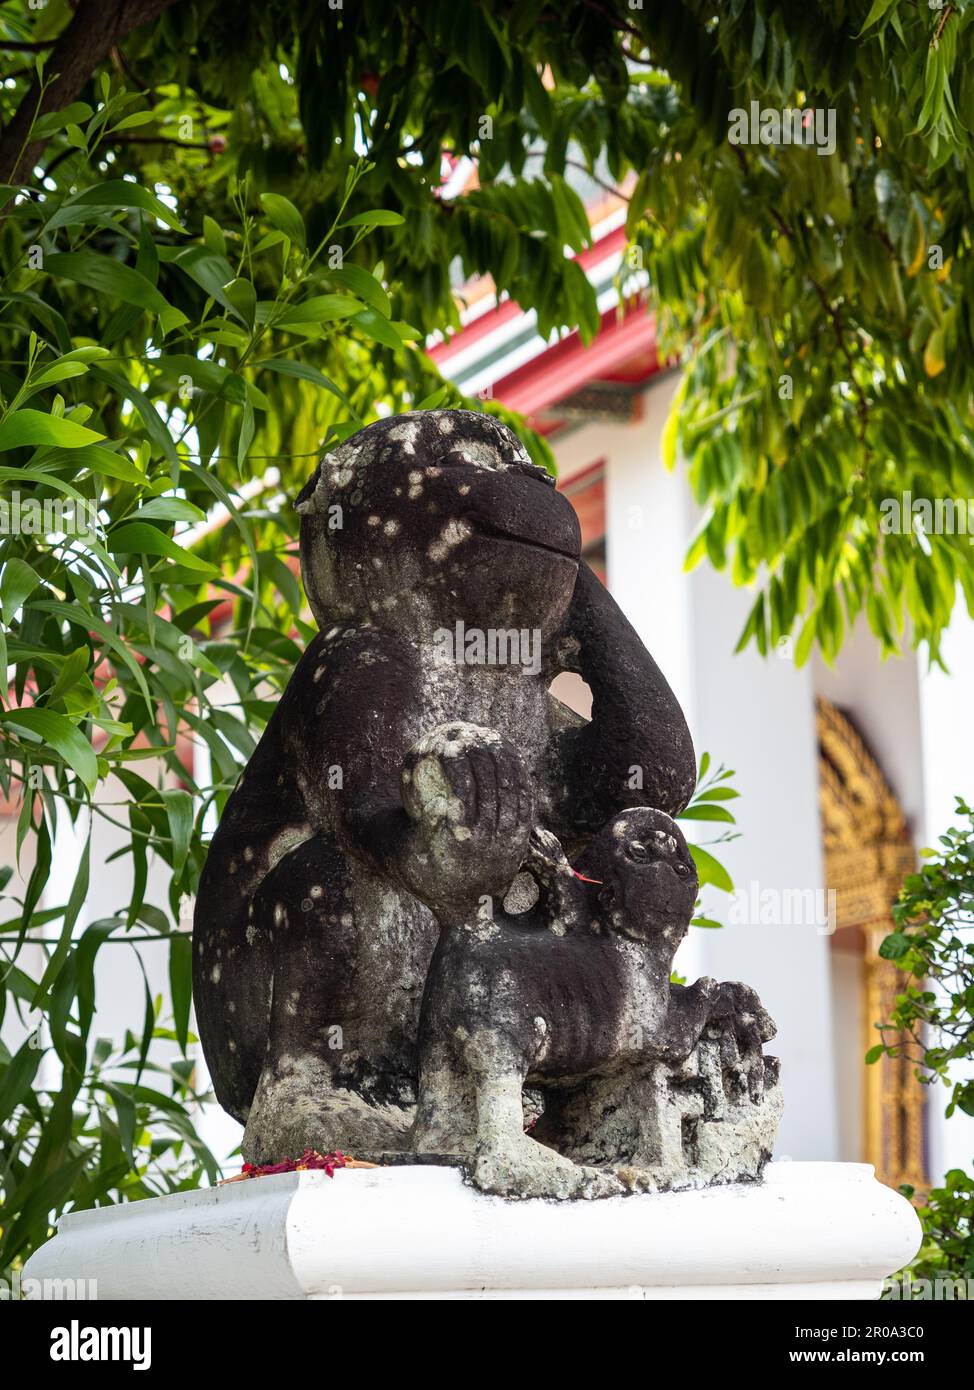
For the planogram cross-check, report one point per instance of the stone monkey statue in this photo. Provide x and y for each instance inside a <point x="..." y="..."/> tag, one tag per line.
<point x="573" y="997"/>
<point x="389" y="781"/>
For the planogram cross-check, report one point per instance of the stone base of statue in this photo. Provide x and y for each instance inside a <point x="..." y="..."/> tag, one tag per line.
<point x="807" y="1231"/>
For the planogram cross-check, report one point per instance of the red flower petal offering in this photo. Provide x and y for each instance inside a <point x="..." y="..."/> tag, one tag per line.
<point x="309" y="1161"/>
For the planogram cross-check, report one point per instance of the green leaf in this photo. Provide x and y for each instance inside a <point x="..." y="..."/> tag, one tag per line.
<point x="136" y="118"/>
<point x="894" y="946"/>
<point x="322" y="308"/>
<point x="246" y="435"/>
<point x="102" y="461"/>
<point x="57" y="371"/>
<point x="139" y="538"/>
<point x="706" y="812"/>
<point x="179" y="811"/>
<point x="379" y="217"/>
<point x="55" y="729"/>
<point x="34" y="427"/>
<point x="181" y="985"/>
<point x="19" y="580"/>
<point x="282" y="214"/>
<point x="213" y="236"/>
<point x="876" y="12"/>
<point x="377" y="328"/>
<point x="76" y="901"/>
<point x="710" y="870"/>
<point x="120" y="193"/>
<point x="168" y="509"/>
<point x="243" y="297"/>
<point x="803" y="646"/>
<point x="210" y="271"/>
<point x="57" y="120"/>
<point x="75" y="666"/>
<point x="112" y="278"/>
<point x="361" y="282"/>
<point x="306" y="373"/>
<point x="17" y="1078"/>
<point x="668" y="442"/>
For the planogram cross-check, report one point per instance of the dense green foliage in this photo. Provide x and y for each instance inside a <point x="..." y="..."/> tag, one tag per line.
<point x="828" y="300"/>
<point x="932" y="1024"/>
<point x="822" y="304"/>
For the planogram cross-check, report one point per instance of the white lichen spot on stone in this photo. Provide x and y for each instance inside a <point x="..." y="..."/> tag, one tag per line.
<point x="405" y="434"/>
<point x="522" y="895"/>
<point x="453" y="533"/>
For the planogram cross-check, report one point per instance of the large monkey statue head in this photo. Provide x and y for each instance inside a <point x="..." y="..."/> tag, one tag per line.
<point x="436" y="517"/>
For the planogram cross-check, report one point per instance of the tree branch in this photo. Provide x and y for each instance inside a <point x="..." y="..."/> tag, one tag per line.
<point x="948" y="11"/>
<point x="97" y="27"/>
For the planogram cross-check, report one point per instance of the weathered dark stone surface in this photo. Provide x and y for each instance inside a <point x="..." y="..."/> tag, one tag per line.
<point x="398" y="800"/>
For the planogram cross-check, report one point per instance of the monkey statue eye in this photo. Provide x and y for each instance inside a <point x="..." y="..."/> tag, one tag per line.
<point x="637" y="851"/>
<point x="682" y="870"/>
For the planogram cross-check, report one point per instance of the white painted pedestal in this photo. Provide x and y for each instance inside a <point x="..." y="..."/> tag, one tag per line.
<point x="810" y="1230"/>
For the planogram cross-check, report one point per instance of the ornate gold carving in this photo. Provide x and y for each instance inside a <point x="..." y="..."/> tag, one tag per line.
<point x="867" y="855"/>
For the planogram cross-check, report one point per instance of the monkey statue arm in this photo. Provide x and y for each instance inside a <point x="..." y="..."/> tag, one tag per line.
<point x="446" y="815"/>
<point x="636" y="750"/>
